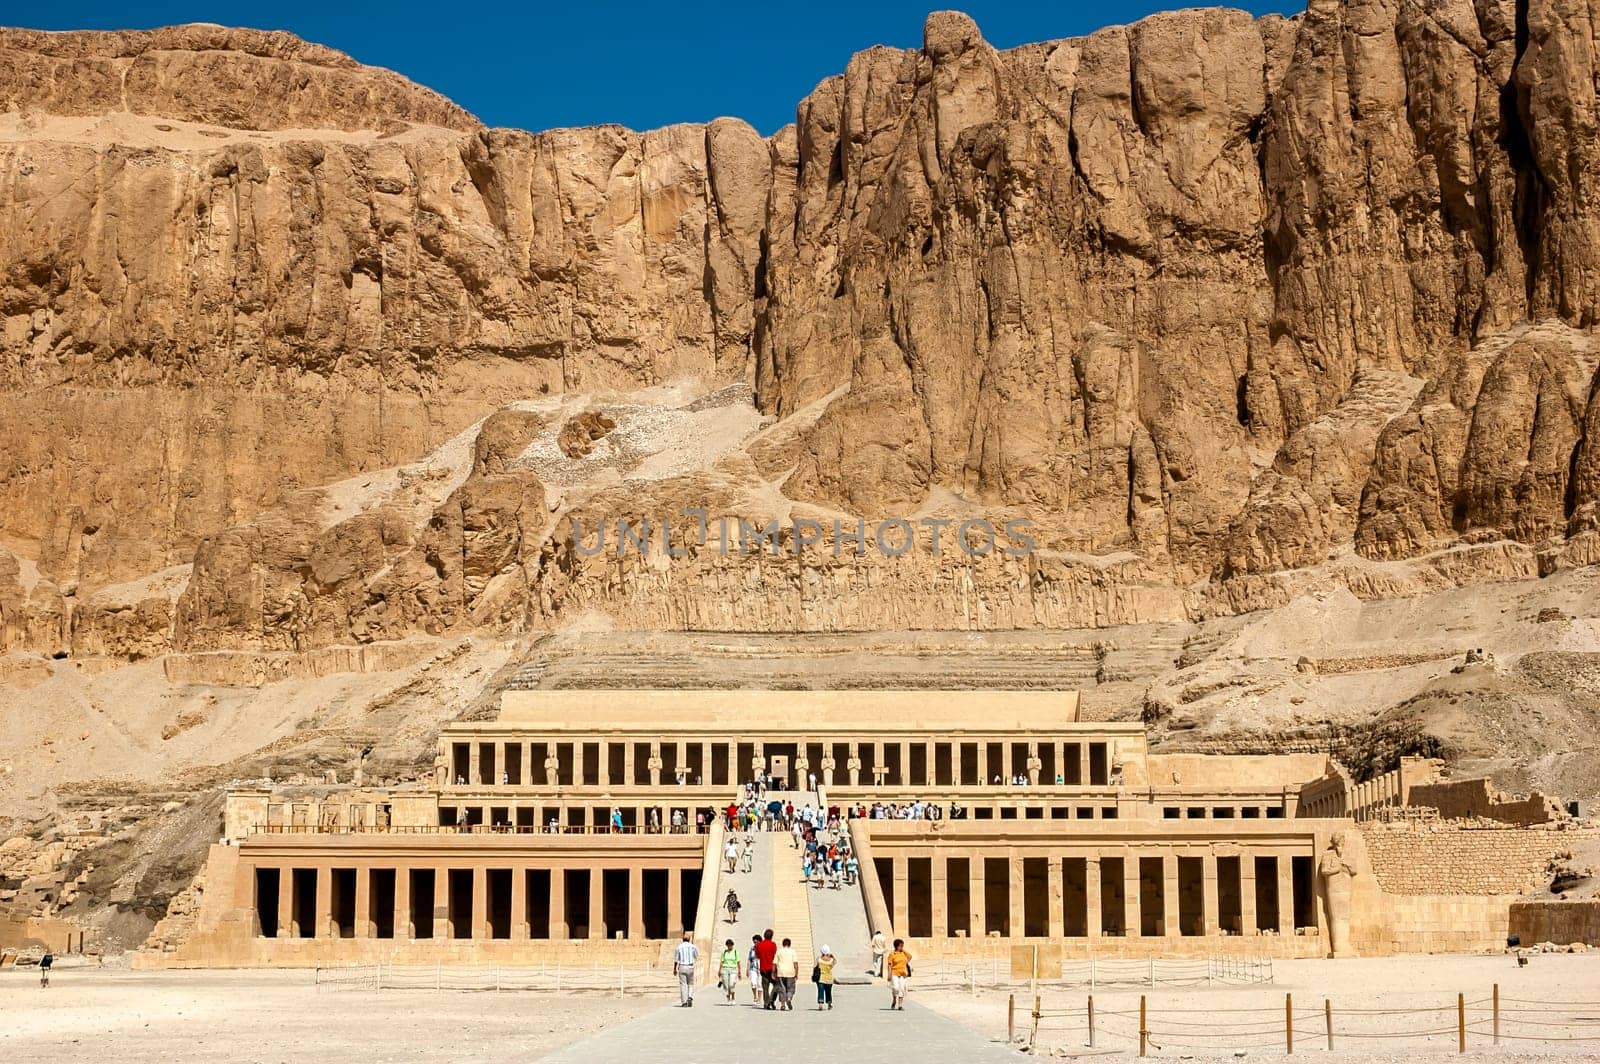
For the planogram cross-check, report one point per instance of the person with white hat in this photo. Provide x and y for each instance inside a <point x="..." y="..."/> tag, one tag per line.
<point x="822" y="975"/>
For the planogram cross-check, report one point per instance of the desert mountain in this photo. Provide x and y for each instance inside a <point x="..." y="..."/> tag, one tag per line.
<point x="1277" y="333"/>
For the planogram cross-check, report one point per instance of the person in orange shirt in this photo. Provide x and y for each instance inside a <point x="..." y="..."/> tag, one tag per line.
<point x="899" y="964"/>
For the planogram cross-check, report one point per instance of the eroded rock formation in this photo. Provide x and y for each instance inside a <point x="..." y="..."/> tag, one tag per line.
<point x="1227" y="308"/>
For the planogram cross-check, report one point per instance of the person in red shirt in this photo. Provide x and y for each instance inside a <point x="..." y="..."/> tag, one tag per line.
<point x="766" y="953"/>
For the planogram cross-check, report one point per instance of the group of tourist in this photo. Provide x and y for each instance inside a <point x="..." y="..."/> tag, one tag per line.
<point x="772" y="968"/>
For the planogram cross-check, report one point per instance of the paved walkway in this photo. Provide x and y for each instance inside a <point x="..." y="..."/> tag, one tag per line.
<point x="860" y="1030"/>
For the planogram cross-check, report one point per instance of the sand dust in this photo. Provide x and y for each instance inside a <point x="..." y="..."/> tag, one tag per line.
<point x="1543" y="1008"/>
<point x="118" y="1015"/>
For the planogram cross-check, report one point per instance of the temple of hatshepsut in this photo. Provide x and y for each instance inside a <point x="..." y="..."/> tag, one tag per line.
<point x="584" y="824"/>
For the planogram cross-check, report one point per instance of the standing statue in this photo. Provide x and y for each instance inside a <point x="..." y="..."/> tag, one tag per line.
<point x="1337" y="869"/>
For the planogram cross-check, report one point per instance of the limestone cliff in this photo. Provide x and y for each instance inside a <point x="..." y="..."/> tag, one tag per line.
<point x="1229" y="308"/>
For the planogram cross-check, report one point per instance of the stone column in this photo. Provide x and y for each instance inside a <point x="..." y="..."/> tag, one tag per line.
<point x="1247" y="894"/>
<point x="938" y="875"/>
<point x="597" y="903"/>
<point x="1033" y="764"/>
<point x="558" y="905"/>
<point x="1061" y="763"/>
<point x="527" y="764"/>
<point x="636" y="903"/>
<point x="1083" y="763"/>
<point x="604" y="766"/>
<point x="520" y="928"/>
<point x="905" y="765"/>
<point x="474" y="762"/>
<point x="1007" y="769"/>
<point x="1091" y="896"/>
<point x="363" y="926"/>
<point x="480" y="903"/>
<point x="442" y="928"/>
<point x="901" y="916"/>
<point x="758" y="758"/>
<point x="854" y="764"/>
<point x="879" y="769"/>
<point x="627" y="763"/>
<point x="1130" y="894"/>
<point x="325" y="925"/>
<point x="930" y="764"/>
<point x="977" y="920"/>
<point x="499" y="763"/>
<point x="285" y="902"/>
<point x="403" y="930"/>
<point x="674" y="903"/>
<point x="1017" y="925"/>
<point x="1169" y="895"/>
<point x="1285" y="894"/>
<point x="1211" y="903"/>
<point x="683" y="762"/>
<point x="1058" y="926"/>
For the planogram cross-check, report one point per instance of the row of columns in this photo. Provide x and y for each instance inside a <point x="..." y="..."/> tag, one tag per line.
<point x="1090" y="771"/>
<point x="325" y="920"/>
<point x="1093" y="917"/>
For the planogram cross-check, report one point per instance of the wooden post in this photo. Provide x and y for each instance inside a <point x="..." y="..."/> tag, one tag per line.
<point x="1288" y="1023"/>
<point x="1011" y="1019"/>
<point x="1327" y="1014"/>
<point x="1461" y="1023"/>
<point x="1143" y="1031"/>
<point x="1497" y="1014"/>
<point x="1033" y="1031"/>
<point x="1091" y="1021"/>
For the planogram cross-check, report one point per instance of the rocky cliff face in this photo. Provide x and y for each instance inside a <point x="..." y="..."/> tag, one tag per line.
<point x="1229" y="309"/>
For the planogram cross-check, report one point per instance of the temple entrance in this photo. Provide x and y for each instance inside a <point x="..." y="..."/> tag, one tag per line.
<point x="778" y="766"/>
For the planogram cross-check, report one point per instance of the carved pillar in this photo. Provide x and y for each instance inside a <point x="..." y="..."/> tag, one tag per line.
<point x="675" y="902"/>
<point x="902" y="898"/>
<point x="474" y="762"/>
<point x="1083" y="763"/>
<point x="403" y="931"/>
<point x="363" y="921"/>
<point x="286" y="926"/>
<point x="520" y="928"/>
<point x="1091" y="896"/>
<point x="939" y="890"/>
<point x="1130" y="894"/>
<point x="1285" y="894"/>
<point x="1057" y="899"/>
<point x="1035" y="766"/>
<point x="1060" y="761"/>
<point x="500" y="770"/>
<point x="930" y="764"/>
<point x="854" y="764"/>
<point x="325" y="925"/>
<point x="558" y="905"/>
<point x="654" y="764"/>
<point x="480" y="903"/>
<point x="1247" y="894"/>
<point x="1007" y="770"/>
<point x="1169" y="896"/>
<point x="627" y="763"/>
<point x="978" y="920"/>
<point x="442" y="927"/>
<point x="636" y="903"/>
<point x="1210" y="907"/>
<point x="604" y="766"/>
<point x="1016" y="925"/>
<point x="597" y="904"/>
<point x="827" y="768"/>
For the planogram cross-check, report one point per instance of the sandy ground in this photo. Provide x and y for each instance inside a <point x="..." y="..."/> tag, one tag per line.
<point x="111" y="1014"/>
<point x="1380" y="1006"/>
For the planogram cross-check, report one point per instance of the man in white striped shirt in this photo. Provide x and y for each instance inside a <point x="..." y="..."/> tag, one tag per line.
<point x="683" y="962"/>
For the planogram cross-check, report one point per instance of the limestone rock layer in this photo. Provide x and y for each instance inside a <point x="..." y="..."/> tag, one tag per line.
<point x="1226" y="307"/>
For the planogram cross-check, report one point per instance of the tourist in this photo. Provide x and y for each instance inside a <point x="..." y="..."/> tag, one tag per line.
<point x="730" y="853"/>
<point x="752" y="964"/>
<point x="899" y="963"/>
<point x="729" y="968"/>
<point x="822" y="975"/>
<point x="616" y="819"/>
<point x="46" y="963"/>
<point x="748" y="862"/>
<point x="677" y="821"/>
<point x="731" y="903"/>
<point x="684" y="958"/>
<point x="786" y="965"/>
<point x="766" y="956"/>
<point x="879" y="948"/>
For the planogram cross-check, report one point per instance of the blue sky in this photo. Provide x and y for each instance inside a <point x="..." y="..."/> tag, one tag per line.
<point x="644" y="65"/>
